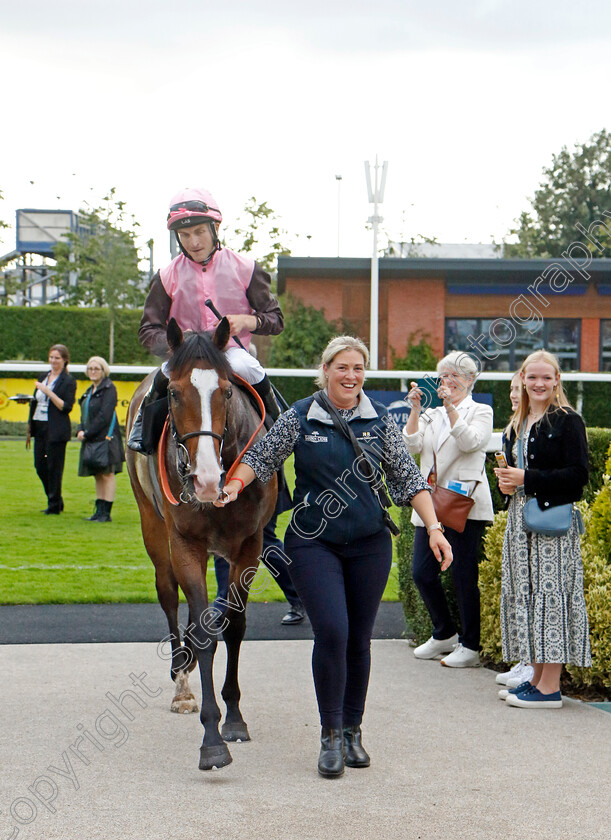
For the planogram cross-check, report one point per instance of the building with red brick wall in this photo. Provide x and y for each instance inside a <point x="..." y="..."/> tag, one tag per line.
<point x="498" y="309"/>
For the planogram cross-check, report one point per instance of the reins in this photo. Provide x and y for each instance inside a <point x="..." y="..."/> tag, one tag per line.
<point x="163" y="442"/>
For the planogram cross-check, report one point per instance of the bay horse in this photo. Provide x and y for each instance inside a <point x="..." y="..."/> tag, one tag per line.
<point x="210" y="422"/>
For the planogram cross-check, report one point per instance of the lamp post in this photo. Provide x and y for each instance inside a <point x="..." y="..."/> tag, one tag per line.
<point x="338" y="178"/>
<point x="376" y="197"/>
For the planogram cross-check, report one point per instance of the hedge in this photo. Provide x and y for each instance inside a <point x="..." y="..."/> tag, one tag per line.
<point x="28" y="332"/>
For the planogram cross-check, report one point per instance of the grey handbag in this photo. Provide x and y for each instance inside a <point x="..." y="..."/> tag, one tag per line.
<point x="552" y="521"/>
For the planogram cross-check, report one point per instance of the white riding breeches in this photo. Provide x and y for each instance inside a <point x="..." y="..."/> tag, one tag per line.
<point x="245" y="365"/>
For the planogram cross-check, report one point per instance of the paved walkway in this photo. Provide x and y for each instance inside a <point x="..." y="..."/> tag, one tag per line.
<point x="449" y="760"/>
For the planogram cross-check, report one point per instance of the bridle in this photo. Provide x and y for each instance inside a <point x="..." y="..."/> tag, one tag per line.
<point x="183" y="461"/>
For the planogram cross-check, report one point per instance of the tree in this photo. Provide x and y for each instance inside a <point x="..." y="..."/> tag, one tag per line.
<point x="99" y="263"/>
<point x="259" y="235"/>
<point x="419" y="356"/>
<point x="3" y="225"/>
<point x="306" y="332"/>
<point x="574" y="193"/>
<point x="410" y="249"/>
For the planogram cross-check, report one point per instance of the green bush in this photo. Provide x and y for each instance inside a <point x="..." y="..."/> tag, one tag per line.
<point x="597" y="591"/>
<point x="600" y="520"/>
<point x="28" y="332"/>
<point x="417" y="618"/>
<point x="599" y="445"/>
<point x="490" y="588"/>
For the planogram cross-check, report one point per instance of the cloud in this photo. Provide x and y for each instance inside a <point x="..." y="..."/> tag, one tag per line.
<point x="338" y="25"/>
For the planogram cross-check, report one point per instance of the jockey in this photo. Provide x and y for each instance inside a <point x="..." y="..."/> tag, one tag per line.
<point x="237" y="286"/>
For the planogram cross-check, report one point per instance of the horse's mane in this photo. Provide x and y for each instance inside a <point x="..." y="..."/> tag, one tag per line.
<point x="198" y="346"/>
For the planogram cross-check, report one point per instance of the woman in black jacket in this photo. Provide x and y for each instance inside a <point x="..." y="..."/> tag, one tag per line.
<point x="543" y="611"/>
<point x="49" y="425"/>
<point x="98" y="421"/>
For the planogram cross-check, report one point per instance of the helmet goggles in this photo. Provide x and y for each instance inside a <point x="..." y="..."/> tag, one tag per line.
<point x="197" y="206"/>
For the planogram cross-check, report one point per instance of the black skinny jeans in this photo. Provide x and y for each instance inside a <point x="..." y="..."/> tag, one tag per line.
<point x="464" y="569"/>
<point x="341" y="587"/>
<point x="49" y="461"/>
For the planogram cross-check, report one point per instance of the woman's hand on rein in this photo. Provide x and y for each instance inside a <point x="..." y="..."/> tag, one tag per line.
<point x="228" y="494"/>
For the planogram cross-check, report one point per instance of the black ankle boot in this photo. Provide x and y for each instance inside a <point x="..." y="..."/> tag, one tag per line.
<point x="330" y="760"/>
<point x="105" y="508"/>
<point x="354" y="754"/>
<point x="97" y="511"/>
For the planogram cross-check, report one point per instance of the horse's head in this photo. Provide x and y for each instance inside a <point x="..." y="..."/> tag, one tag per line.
<point x="199" y="390"/>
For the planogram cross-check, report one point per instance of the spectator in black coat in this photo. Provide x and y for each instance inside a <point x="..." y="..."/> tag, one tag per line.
<point x="49" y="425"/>
<point x="99" y="421"/>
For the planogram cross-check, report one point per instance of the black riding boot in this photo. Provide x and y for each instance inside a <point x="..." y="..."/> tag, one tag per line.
<point x="330" y="760"/>
<point x="272" y="410"/>
<point x="105" y="512"/>
<point x="96" y="512"/>
<point x="148" y="424"/>
<point x="272" y="413"/>
<point x="354" y="754"/>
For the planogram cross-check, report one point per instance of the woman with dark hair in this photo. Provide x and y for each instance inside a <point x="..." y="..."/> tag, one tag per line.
<point x="49" y="425"/>
<point x="99" y="421"/>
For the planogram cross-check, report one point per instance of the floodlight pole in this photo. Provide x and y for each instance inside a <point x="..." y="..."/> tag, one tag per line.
<point x="338" y="178"/>
<point x="376" y="197"/>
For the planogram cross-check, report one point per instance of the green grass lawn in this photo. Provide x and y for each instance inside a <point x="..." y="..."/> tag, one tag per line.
<point x="65" y="559"/>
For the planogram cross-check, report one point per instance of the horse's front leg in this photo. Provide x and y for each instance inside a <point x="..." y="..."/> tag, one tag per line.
<point x="243" y="569"/>
<point x="189" y="564"/>
<point x="157" y="546"/>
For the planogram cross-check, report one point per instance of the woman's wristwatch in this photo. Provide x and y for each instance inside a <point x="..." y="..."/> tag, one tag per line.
<point x="436" y="526"/>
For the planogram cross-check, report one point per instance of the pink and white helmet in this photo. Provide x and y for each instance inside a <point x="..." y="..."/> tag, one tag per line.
<point x="192" y="206"/>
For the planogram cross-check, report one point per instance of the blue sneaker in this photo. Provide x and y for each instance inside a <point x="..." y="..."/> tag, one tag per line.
<point x="533" y="699"/>
<point x="523" y="687"/>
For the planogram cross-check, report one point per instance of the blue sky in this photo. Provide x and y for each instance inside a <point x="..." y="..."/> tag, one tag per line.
<point x="467" y="101"/>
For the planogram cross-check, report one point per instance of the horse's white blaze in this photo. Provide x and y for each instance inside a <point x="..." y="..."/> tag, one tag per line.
<point x="207" y="472"/>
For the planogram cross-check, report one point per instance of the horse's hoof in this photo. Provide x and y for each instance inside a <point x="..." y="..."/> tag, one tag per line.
<point x="213" y="758"/>
<point x="237" y="731"/>
<point x="184" y="705"/>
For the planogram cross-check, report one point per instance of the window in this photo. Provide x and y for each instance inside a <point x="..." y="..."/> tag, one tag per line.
<point x="605" y="345"/>
<point x="501" y="344"/>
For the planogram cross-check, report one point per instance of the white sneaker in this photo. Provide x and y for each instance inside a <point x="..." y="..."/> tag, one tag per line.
<point x="435" y="647"/>
<point x="461" y="657"/>
<point x="525" y="675"/>
<point x="520" y="672"/>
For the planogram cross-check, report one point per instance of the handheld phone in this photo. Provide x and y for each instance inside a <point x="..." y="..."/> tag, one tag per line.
<point x="500" y="459"/>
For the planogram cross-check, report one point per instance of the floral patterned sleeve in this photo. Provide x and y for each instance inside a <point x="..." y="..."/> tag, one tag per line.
<point x="403" y="477"/>
<point x="268" y="454"/>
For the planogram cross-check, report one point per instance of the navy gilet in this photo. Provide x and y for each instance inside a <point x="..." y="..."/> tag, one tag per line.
<point x="332" y="500"/>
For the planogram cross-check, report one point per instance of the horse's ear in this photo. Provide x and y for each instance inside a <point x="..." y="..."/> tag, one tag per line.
<point x="174" y="334"/>
<point x="222" y="334"/>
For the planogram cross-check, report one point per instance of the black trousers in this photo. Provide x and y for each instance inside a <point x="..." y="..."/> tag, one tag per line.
<point x="341" y="587"/>
<point x="49" y="459"/>
<point x="464" y="570"/>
